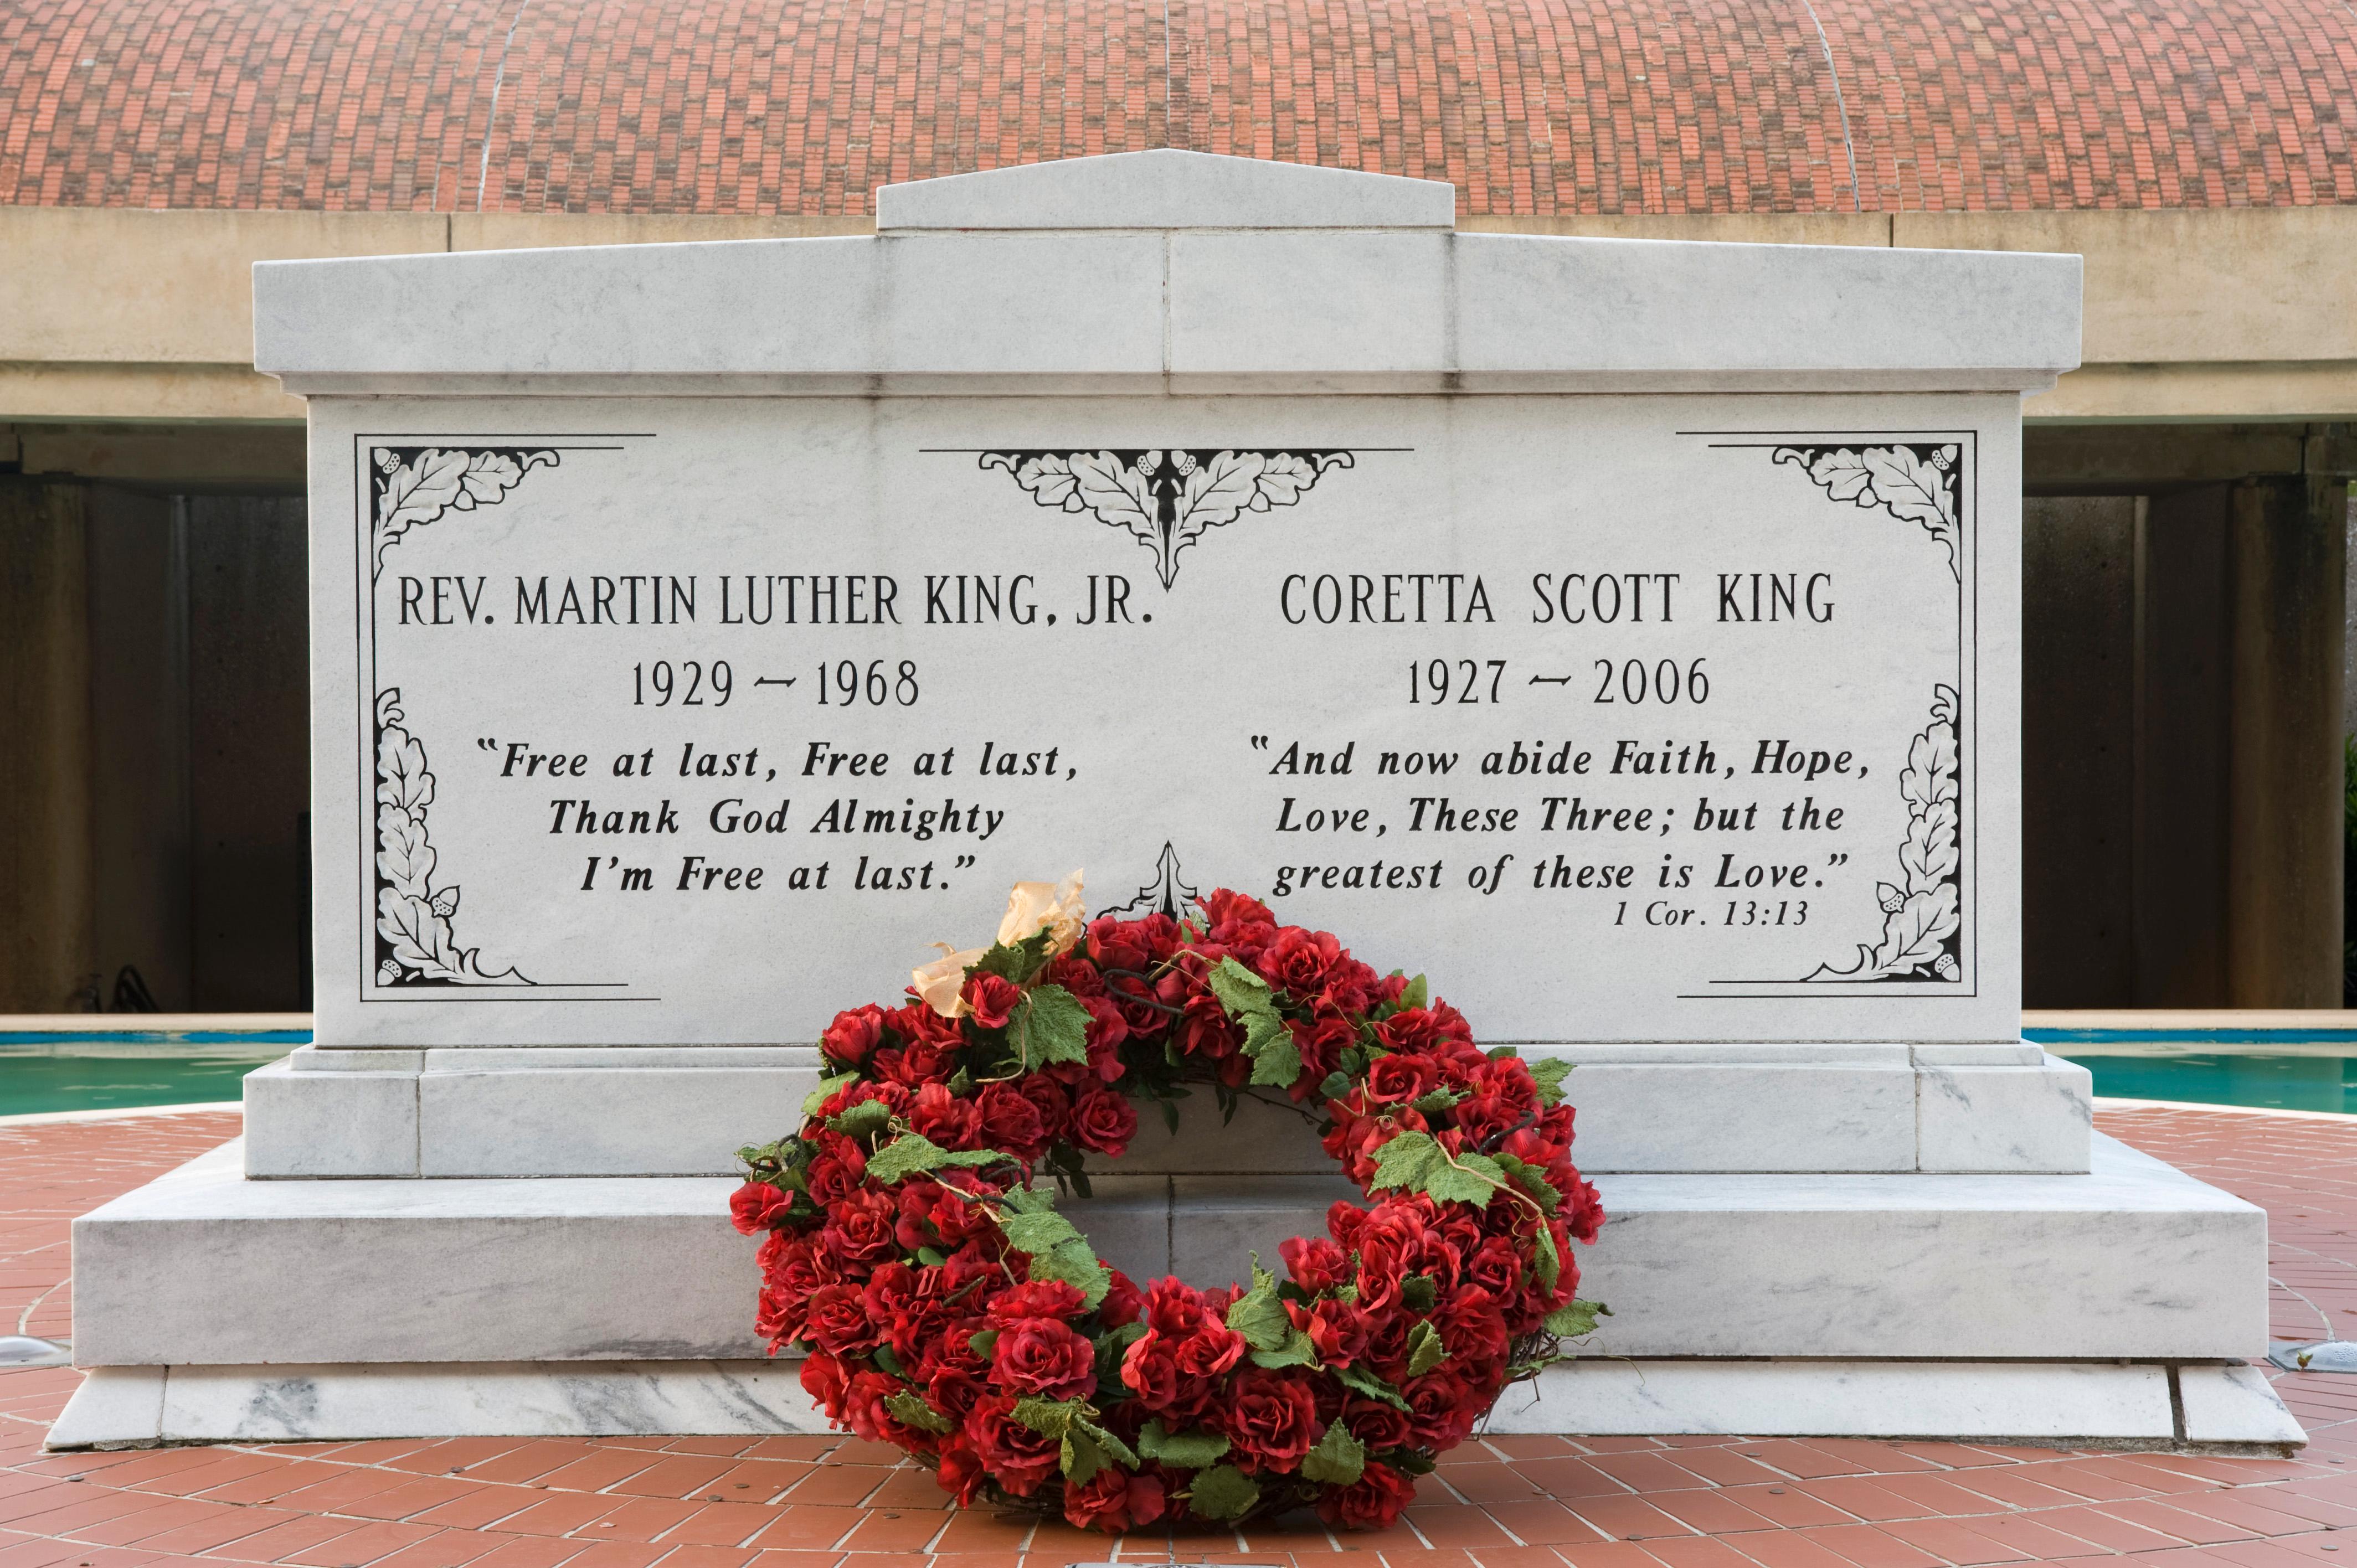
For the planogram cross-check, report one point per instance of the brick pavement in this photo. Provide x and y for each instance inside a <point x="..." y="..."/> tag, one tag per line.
<point x="1508" y="1502"/>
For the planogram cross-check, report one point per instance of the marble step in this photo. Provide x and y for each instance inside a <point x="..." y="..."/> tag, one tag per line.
<point x="682" y="1110"/>
<point x="2228" y="1409"/>
<point x="203" y="1267"/>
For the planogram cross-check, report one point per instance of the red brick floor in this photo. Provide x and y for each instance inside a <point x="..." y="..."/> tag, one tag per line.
<point x="1508" y="1502"/>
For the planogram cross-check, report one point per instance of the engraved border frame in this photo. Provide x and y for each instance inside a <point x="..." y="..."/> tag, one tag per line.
<point x="364" y="651"/>
<point x="1968" y="736"/>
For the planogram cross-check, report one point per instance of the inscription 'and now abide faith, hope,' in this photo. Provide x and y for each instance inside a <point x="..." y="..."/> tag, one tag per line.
<point x="1690" y="703"/>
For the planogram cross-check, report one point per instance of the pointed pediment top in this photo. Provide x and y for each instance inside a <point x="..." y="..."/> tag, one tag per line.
<point x="1166" y="188"/>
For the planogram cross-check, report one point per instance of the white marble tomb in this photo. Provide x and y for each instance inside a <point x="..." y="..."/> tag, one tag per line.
<point x="1624" y="634"/>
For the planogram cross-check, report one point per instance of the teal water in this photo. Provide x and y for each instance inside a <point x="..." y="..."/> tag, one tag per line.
<point x="79" y="1072"/>
<point x="2272" y="1082"/>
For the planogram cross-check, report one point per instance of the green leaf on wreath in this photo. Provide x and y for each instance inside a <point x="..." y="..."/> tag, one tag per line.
<point x="1420" y="1292"/>
<point x="827" y="1090"/>
<point x="1533" y="1180"/>
<point x="1017" y="962"/>
<point x="1240" y="991"/>
<point x="910" y="1410"/>
<point x="1434" y="1102"/>
<point x="1263" y="1029"/>
<point x="1049" y="1026"/>
<point x="1425" y="1350"/>
<point x="1338" y="1460"/>
<point x="1469" y="1179"/>
<point x="1545" y="1262"/>
<point x="982" y="1342"/>
<point x="867" y="1116"/>
<point x="1048" y="1418"/>
<point x="1112" y="1446"/>
<point x="1075" y="1264"/>
<point x="1081" y="1459"/>
<point x="1258" y="1315"/>
<point x="1361" y="1381"/>
<point x="1039" y="1232"/>
<point x="1337" y="1085"/>
<point x="961" y="1083"/>
<point x="1278" y="1062"/>
<point x="1575" y="1318"/>
<point x="930" y="1257"/>
<point x="1222" y="1492"/>
<point x="1407" y="1160"/>
<point x="905" y="1156"/>
<point x="1417" y="994"/>
<point x="1111" y="1347"/>
<point x="882" y="1356"/>
<point x="1180" y="1450"/>
<point x="1299" y="1351"/>
<point x="1549" y="1071"/>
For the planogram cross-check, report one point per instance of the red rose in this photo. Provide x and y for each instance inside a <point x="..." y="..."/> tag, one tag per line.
<point x="757" y="1206"/>
<point x="944" y="1118"/>
<point x="1339" y="1329"/>
<point x="1586" y="1208"/>
<point x="1377" y="1425"/>
<point x="954" y="1391"/>
<point x="1300" y="960"/>
<point x="1123" y="1302"/>
<point x="862" y="1406"/>
<point x="836" y="1320"/>
<point x="835" y="1176"/>
<point x="1150" y="1369"/>
<point x="1317" y="1265"/>
<point x="1321" y="1042"/>
<point x="1211" y="1351"/>
<point x="960" y="1474"/>
<point x="1010" y="1122"/>
<point x="1055" y="1107"/>
<point x="1116" y="943"/>
<point x="1271" y="1418"/>
<point x="1399" y="1078"/>
<point x="1242" y="925"/>
<point x="1497" y="1267"/>
<point x="853" y="1035"/>
<point x="1036" y="1298"/>
<point x="1017" y="1456"/>
<point x="1107" y="1030"/>
<point x="1174" y="1307"/>
<point x="824" y="1379"/>
<point x="1104" y="1122"/>
<point x="1040" y="1356"/>
<point x="991" y="997"/>
<point x="1372" y="1503"/>
<point x="860" y="1228"/>
<point x="1114" y="1501"/>
<point x="1441" y="1409"/>
<point x="1471" y="1326"/>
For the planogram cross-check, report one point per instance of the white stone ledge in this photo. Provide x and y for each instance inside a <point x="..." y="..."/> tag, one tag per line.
<point x="2057" y="1403"/>
<point x="554" y="1110"/>
<point x="1294" y="281"/>
<point x="2136" y="1260"/>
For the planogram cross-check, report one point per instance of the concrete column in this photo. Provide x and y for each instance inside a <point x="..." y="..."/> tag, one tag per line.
<point x="2289" y="542"/>
<point x="250" y="750"/>
<point x="2185" y="618"/>
<point x="139" y="740"/>
<point x="47" y="903"/>
<point x="2079" y="754"/>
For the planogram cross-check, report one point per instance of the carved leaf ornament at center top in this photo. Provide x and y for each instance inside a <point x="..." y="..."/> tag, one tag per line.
<point x="1166" y="499"/>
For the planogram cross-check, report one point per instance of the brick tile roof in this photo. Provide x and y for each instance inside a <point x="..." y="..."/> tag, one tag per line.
<point x="1529" y="106"/>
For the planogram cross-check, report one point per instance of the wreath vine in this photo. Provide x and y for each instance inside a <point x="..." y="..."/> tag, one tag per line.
<point x="914" y="1250"/>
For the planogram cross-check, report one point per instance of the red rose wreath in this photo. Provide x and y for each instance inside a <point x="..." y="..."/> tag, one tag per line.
<point x="948" y="1308"/>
